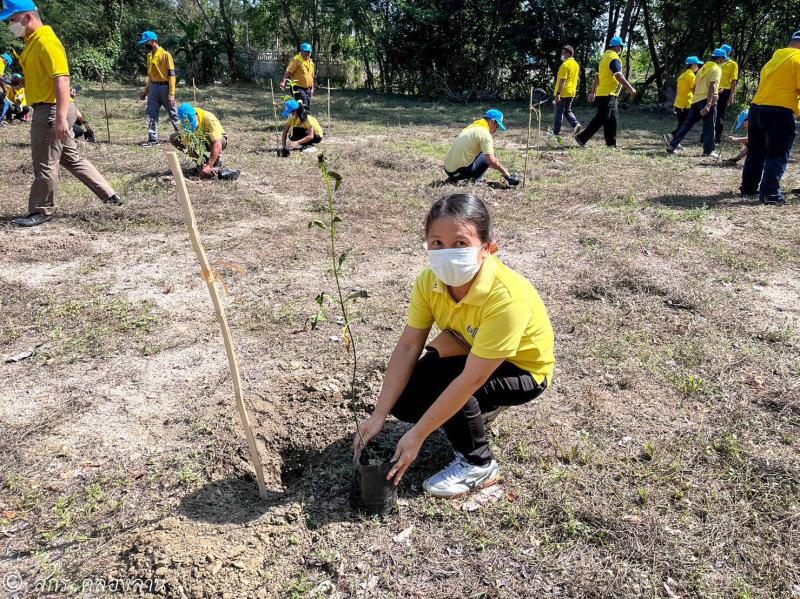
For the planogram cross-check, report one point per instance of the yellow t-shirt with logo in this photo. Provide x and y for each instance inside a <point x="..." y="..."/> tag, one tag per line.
<point x="709" y="73"/>
<point x="570" y="71"/>
<point x="502" y="316"/>
<point x="310" y="121"/>
<point x="302" y="71"/>
<point x="780" y="80"/>
<point x="730" y="73"/>
<point x="42" y="60"/>
<point x="685" y="95"/>
<point x="209" y="124"/>
<point x="473" y="140"/>
<point x="608" y="84"/>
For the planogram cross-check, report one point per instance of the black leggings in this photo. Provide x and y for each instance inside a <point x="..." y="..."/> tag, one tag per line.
<point x="298" y="133"/>
<point x="509" y="385"/>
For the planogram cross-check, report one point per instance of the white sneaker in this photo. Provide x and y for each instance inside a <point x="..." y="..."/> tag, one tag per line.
<point x="460" y="477"/>
<point x="711" y="155"/>
<point x="309" y="150"/>
<point x="578" y="128"/>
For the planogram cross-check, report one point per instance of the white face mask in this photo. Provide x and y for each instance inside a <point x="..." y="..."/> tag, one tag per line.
<point x="455" y="267"/>
<point x="563" y="58"/>
<point x="16" y="29"/>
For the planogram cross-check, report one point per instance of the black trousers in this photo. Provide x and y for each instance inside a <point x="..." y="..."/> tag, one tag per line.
<point x="681" y="114"/>
<point x="302" y="94"/>
<point x="509" y="385"/>
<point x="605" y="117"/>
<point x="298" y="133"/>
<point x="722" y="107"/>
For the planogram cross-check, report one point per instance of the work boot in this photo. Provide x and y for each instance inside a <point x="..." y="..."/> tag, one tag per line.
<point x="228" y="174"/>
<point x="114" y="200"/>
<point x="32" y="220"/>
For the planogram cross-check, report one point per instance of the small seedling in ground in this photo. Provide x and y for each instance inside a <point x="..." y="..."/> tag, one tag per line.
<point x="648" y="451"/>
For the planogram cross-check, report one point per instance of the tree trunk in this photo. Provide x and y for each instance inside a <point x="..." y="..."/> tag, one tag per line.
<point x="287" y="14"/>
<point x="651" y="46"/>
<point x="626" y="19"/>
<point x="230" y="42"/>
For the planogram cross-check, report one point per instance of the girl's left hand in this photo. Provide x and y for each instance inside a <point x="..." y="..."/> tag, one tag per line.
<point x="404" y="455"/>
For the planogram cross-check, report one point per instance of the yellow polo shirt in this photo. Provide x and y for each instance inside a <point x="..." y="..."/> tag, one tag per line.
<point x="161" y="69"/>
<point x="473" y="140"/>
<point x="302" y="71"/>
<point x="685" y="95"/>
<point x="730" y="73"/>
<point x="209" y="124"/>
<point x="310" y="121"/>
<point x="570" y="71"/>
<point x="502" y="316"/>
<point x="709" y="73"/>
<point x="780" y="80"/>
<point x="42" y="60"/>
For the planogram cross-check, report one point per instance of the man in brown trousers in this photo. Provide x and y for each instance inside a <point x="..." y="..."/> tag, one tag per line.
<point x="44" y="63"/>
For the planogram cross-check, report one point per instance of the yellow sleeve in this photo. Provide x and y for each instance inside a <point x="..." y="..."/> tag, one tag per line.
<point x="170" y="71"/>
<point x="292" y="67"/>
<point x="735" y="74"/>
<point x="562" y="73"/>
<point x="56" y="59"/>
<point x="213" y="127"/>
<point x="420" y="315"/>
<point x="487" y="143"/>
<point x="501" y="330"/>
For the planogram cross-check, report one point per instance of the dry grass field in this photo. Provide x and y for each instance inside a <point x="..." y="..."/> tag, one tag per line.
<point x="664" y="461"/>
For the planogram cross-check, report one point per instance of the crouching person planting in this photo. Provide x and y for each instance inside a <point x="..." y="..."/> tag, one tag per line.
<point x="495" y="350"/>
<point x="203" y="139"/>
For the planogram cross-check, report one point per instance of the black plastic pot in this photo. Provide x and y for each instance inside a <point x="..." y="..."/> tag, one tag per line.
<point x="370" y="492"/>
<point x="283" y="153"/>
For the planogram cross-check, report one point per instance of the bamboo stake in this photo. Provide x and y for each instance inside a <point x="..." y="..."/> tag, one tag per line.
<point x="329" y="103"/>
<point x="194" y="89"/>
<point x="528" y="142"/>
<point x="208" y="275"/>
<point x="105" y="106"/>
<point x="275" y="113"/>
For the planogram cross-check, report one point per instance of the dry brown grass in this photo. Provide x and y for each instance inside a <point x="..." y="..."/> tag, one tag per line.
<point x="663" y="462"/>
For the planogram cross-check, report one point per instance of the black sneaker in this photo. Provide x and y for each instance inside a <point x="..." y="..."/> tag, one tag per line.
<point x="774" y="201"/>
<point x="114" y="200"/>
<point x="149" y="143"/>
<point x="32" y="220"/>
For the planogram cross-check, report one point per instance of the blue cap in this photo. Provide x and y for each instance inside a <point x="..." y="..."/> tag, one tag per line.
<point x="148" y="36"/>
<point x="291" y="106"/>
<point x="12" y="7"/>
<point x="188" y="116"/>
<point x="743" y="116"/>
<point x="727" y="47"/>
<point x="495" y="115"/>
<point x="720" y="53"/>
<point x="796" y="35"/>
<point x="616" y="41"/>
<point x="693" y="60"/>
<point x="305" y="47"/>
<point x="7" y="57"/>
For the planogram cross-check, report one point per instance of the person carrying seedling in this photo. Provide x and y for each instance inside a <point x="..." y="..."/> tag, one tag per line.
<point x="772" y="125"/>
<point x="203" y="138"/>
<point x="495" y="350"/>
<point x="472" y="151"/>
<point x="605" y="89"/>
<point x="160" y="88"/>
<point x="46" y="72"/>
<point x="18" y="108"/>
<point x="741" y="122"/>
<point x="301" y="130"/>
<point x="704" y="106"/>
<point x="566" y="88"/>
<point x="684" y="94"/>
<point x="303" y="73"/>
<point x="727" y="90"/>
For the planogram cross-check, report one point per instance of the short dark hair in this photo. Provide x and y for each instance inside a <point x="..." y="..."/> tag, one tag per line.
<point x="465" y="207"/>
<point x="570" y="49"/>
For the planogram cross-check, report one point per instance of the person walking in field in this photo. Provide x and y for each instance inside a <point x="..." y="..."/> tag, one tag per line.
<point x="495" y="351"/>
<point x="46" y="72"/>
<point x="472" y="152"/>
<point x="565" y="91"/>
<point x="727" y="90"/>
<point x="684" y="94"/>
<point x="160" y="88"/>
<point x="704" y="106"/>
<point x="301" y="130"/>
<point x="605" y="89"/>
<point x="206" y="126"/>
<point x="303" y="72"/>
<point x="772" y="125"/>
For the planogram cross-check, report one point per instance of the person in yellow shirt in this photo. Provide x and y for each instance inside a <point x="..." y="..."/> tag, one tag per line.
<point x="18" y="109"/>
<point x="684" y="93"/>
<point x="605" y="89"/>
<point x="727" y="89"/>
<point x="46" y="72"/>
<point x="160" y="88"/>
<point x="565" y="91"/>
<point x="772" y="125"/>
<point x="303" y="72"/>
<point x="206" y="126"/>
<point x="472" y="151"/>
<point x="704" y="105"/>
<point x="495" y="350"/>
<point x="301" y="130"/>
<point x="5" y="62"/>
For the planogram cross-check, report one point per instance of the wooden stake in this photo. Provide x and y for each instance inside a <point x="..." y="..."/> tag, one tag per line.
<point x="208" y="275"/>
<point x="105" y="106"/>
<point x="329" y="103"/>
<point x="275" y="113"/>
<point x="528" y="142"/>
<point x="194" y="89"/>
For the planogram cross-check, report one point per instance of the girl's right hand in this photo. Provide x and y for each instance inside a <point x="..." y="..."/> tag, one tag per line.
<point x="369" y="429"/>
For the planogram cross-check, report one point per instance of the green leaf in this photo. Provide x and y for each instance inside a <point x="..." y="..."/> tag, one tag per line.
<point x="318" y="223"/>
<point x="343" y="257"/>
<point x="320" y="299"/>
<point x="336" y="219"/>
<point x="336" y="177"/>
<point x="361" y="293"/>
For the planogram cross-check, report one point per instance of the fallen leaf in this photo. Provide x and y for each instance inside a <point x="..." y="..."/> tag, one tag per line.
<point x="403" y="535"/>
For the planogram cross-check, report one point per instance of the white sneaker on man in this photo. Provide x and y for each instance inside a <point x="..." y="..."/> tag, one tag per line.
<point x="460" y="477"/>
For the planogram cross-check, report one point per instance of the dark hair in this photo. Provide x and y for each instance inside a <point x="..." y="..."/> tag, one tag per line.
<point x="465" y="207"/>
<point x="570" y="49"/>
<point x="302" y="113"/>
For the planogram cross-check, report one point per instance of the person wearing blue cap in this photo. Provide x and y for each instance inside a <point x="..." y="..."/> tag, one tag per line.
<point x="704" y="106"/>
<point x="727" y="89"/>
<point x="772" y="124"/>
<point x="302" y="72"/>
<point x="5" y="62"/>
<point x="472" y="151"/>
<point x="301" y="130"/>
<point x="46" y="72"/>
<point x="605" y="89"/>
<point x="206" y="126"/>
<point x="160" y="88"/>
<point x="684" y="93"/>
<point x="18" y="107"/>
<point x="742" y="122"/>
